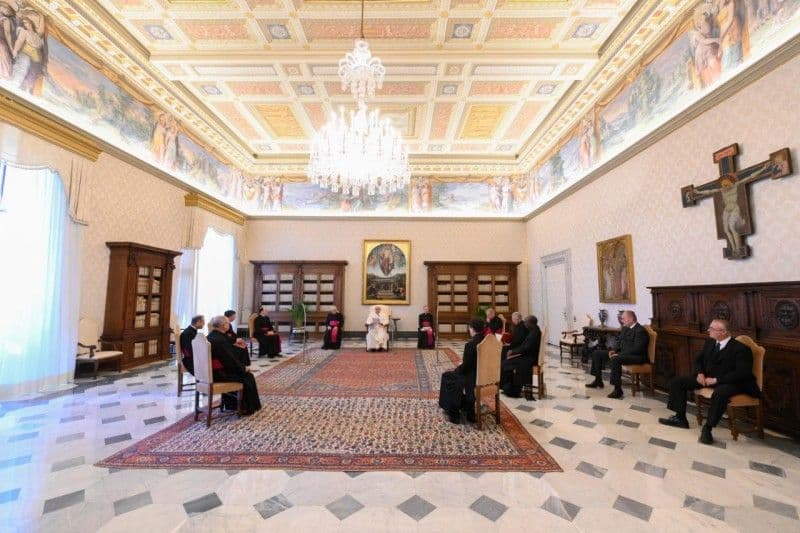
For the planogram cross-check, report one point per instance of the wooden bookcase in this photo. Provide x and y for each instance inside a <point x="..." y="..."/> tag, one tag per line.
<point x="456" y="289"/>
<point x="138" y="302"/>
<point x="278" y="284"/>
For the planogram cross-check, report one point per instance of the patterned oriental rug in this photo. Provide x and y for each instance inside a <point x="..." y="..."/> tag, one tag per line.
<point x="346" y="410"/>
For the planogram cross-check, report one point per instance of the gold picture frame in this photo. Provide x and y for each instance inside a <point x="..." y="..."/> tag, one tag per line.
<point x="386" y="272"/>
<point x="615" y="278"/>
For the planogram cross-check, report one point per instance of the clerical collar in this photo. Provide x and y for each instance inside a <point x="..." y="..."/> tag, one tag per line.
<point x="632" y="325"/>
<point x="723" y="343"/>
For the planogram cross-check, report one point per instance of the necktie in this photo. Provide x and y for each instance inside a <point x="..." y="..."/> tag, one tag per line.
<point x="717" y="349"/>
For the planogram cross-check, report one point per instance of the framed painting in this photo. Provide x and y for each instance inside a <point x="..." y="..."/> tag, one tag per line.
<point x="386" y="274"/>
<point x="615" y="270"/>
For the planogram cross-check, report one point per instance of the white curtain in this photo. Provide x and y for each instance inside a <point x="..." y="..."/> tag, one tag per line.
<point x="185" y="303"/>
<point x="215" y="274"/>
<point x="39" y="281"/>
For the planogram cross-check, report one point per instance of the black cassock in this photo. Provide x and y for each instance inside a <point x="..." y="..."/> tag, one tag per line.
<point x="267" y="344"/>
<point x="185" y="342"/>
<point x="518" y="371"/>
<point x="233" y="370"/>
<point x="426" y="339"/>
<point x="518" y="336"/>
<point x="334" y="323"/>
<point x="241" y="353"/>
<point x="457" y="390"/>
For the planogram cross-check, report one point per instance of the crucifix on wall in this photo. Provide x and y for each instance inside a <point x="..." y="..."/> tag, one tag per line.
<point x="731" y="199"/>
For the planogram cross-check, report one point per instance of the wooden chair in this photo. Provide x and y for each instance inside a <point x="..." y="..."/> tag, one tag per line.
<point x="637" y="371"/>
<point x="88" y="341"/>
<point x="572" y="342"/>
<point x="487" y="376"/>
<point x="538" y="368"/>
<point x="204" y="380"/>
<point x="182" y="371"/>
<point x="702" y="397"/>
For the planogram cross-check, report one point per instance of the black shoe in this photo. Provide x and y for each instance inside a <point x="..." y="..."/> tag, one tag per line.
<point x="595" y="385"/>
<point x="705" y="436"/>
<point x="675" y="421"/>
<point x="454" y="418"/>
<point x="470" y="416"/>
<point x="616" y="394"/>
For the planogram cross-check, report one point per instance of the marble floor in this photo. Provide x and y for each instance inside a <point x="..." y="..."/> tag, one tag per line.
<point x="622" y="471"/>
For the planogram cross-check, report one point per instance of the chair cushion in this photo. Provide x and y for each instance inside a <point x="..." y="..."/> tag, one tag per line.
<point x="571" y="342"/>
<point x="705" y="392"/>
<point x="226" y="386"/>
<point x="744" y="400"/>
<point x="99" y="356"/>
<point x="645" y="368"/>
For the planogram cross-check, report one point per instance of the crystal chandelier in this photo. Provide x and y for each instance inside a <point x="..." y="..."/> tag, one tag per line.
<point x="359" y="151"/>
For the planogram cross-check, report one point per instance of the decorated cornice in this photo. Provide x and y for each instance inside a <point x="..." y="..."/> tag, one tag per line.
<point x="202" y="201"/>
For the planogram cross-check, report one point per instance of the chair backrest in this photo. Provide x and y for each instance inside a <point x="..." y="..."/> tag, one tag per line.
<point x="88" y="334"/>
<point x="201" y="358"/>
<point x="176" y="331"/>
<point x="651" y="344"/>
<point x="542" y="348"/>
<point x="587" y="321"/>
<point x="488" y="366"/>
<point x="251" y="325"/>
<point x="758" y="358"/>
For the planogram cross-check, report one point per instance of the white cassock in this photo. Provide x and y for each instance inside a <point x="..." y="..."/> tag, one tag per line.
<point x="378" y="332"/>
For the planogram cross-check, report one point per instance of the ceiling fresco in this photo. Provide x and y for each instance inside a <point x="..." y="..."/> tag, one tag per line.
<point x="503" y="103"/>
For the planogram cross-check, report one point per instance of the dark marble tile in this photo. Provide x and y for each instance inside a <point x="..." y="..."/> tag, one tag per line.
<point x="117" y="438"/>
<point x="767" y="469"/>
<point x="131" y="503"/>
<point x="154" y="420"/>
<point x="663" y="443"/>
<point x="416" y="507"/>
<point x="112" y="419"/>
<point x="202" y="504"/>
<point x="633" y="508"/>
<point x="63" y="501"/>
<point x="564" y="443"/>
<point x="489" y="508"/>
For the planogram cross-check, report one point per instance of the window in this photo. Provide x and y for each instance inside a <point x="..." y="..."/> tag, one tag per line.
<point x="39" y="281"/>
<point x="215" y="274"/>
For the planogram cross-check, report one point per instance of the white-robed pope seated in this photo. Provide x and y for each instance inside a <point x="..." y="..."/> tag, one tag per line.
<point x="378" y="329"/>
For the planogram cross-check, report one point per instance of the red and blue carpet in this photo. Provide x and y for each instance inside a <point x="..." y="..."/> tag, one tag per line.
<point x="346" y="410"/>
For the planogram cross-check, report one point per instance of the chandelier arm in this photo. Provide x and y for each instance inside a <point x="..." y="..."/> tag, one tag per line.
<point x="362" y="20"/>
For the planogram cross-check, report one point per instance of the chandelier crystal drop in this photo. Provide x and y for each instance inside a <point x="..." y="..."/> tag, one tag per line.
<point x="358" y="152"/>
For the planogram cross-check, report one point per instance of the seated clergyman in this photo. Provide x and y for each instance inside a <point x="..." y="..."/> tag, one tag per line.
<point x="185" y="341"/>
<point x="724" y="364"/>
<point x="517" y="369"/>
<point x="633" y="341"/>
<point x="457" y="390"/>
<point x="518" y="335"/>
<point x="226" y="367"/>
<point x="377" y="330"/>
<point x="239" y="346"/>
<point x="426" y="336"/>
<point x="334" y="323"/>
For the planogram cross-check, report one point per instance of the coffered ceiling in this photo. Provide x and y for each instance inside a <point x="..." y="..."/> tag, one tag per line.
<point x="467" y="80"/>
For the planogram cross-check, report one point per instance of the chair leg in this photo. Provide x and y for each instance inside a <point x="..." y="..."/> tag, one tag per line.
<point x="210" y="407"/>
<point x="760" y="419"/>
<point x="699" y="404"/>
<point x="180" y="380"/>
<point x="732" y="422"/>
<point x="196" y="404"/>
<point x="541" y="384"/>
<point x="497" y="405"/>
<point x="652" y="383"/>
<point x="239" y="398"/>
<point x="478" y="417"/>
<point x="96" y="366"/>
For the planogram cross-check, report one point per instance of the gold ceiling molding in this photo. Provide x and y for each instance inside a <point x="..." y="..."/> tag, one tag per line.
<point x="194" y="199"/>
<point x="40" y="123"/>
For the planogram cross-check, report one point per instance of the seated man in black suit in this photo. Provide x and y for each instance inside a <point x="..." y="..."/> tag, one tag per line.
<point x="457" y="391"/>
<point x="518" y="335"/>
<point x="185" y="341"/>
<point x="633" y="341"/>
<point x="724" y="364"/>
<point x="517" y="369"/>
<point x="227" y="367"/>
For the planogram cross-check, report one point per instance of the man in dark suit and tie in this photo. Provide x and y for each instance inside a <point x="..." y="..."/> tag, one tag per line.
<point x="633" y="341"/>
<point x="185" y="341"/>
<point x="724" y="364"/>
<point x="517" y="369"/>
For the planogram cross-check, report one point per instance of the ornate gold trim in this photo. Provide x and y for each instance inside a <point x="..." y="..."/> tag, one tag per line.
<point x="194" y="199"/>
<point x="38" y="122"/>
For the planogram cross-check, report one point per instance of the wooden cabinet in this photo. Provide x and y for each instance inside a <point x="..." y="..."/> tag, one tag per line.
<point x="769" y="313"/>
<point x="318" y="284"/>
<point x="138" y="302"/>
<point x="457" y="289"/>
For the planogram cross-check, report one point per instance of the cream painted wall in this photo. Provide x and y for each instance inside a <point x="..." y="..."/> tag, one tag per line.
<point x="673" y="245"/>
<point x="122" y="203"/>
<point x="430" y="241"/>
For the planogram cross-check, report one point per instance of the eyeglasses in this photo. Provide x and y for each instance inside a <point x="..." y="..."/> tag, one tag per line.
<point x="716" y="329"/>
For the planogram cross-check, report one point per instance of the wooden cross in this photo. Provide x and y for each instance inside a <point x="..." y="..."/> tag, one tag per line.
<point x="731" y="201"/>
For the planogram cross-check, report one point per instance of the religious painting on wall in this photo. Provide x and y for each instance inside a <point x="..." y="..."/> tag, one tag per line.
<point x="386" y="277"/>
<point x="615" y="270"/>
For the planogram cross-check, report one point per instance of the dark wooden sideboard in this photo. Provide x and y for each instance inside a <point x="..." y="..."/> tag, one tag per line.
<point x="767" y="312"/>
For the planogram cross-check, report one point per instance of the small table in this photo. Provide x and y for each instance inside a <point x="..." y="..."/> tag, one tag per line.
<point x="604" y="335"/>
<point x="394" y="326"/>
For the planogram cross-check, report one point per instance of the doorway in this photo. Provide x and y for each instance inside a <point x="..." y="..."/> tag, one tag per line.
<point x="556" y="294"/>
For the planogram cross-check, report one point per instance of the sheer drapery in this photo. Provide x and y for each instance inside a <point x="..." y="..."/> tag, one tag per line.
<point x="39" y="281"/>
<point x="215" y="274"/>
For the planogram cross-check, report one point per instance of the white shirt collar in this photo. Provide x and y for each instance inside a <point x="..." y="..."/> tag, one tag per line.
<point x="723" y="343"/>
